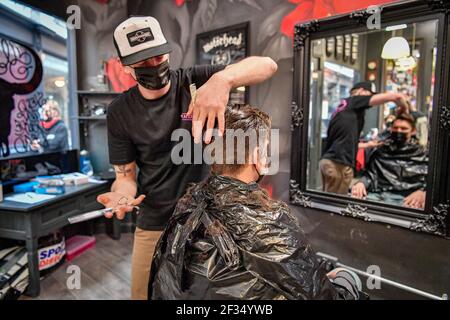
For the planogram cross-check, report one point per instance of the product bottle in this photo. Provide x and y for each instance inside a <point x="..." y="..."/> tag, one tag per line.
<point x="85" y="163"/>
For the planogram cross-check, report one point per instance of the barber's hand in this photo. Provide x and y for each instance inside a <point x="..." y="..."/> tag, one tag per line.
<point x="374" y="144"/>
<point x="401" y="110"/>
<point x="211" y="101"/>
<point x="359" y="191"/>
<point x="403" y="105"/>
<point x="121" y="203"/>
<point x="415" y="200"/>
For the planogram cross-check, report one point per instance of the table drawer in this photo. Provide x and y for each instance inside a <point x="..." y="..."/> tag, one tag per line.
<point x="69" y="208"/>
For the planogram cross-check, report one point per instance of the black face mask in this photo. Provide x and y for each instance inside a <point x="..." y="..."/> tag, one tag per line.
<point x="260" y="176"/>
<point x="46" y="117"/>
<point x="153" y="78"/>
<point x="399" y="138"/>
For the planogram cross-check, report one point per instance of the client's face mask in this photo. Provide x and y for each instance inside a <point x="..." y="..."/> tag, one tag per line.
<point x="153" y="78"/>
<point x="261" y="172"/>
<point x="260" y="175"/>
<point x="399" y="138"/>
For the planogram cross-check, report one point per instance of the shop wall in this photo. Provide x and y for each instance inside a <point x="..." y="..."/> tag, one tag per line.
<point x="95" y="39"/>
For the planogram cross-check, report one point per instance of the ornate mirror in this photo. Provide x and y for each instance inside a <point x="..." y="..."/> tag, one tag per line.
<point x="370" y="121"/>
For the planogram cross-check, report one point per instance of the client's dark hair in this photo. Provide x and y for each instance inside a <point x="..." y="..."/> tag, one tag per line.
<point x="406" y="117"/>
<point x="248" y="119"/>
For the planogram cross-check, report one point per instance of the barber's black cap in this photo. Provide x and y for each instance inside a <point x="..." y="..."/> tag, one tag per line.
<point x="366" y="85"/>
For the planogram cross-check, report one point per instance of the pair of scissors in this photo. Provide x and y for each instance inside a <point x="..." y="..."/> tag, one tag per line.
<point x="93" y="214"/>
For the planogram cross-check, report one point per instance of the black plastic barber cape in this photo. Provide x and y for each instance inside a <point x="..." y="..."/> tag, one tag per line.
<point x="229" y="240"/>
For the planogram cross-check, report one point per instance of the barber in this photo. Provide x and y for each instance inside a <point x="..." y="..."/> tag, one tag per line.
<point x="140" y="123"/>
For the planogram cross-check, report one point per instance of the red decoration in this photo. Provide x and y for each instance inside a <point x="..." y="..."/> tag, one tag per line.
<point x="317" y="9"/>
<point x="268" y="187"/>
<point x="179" y="3"/>
<point x="120" y="80"/>
<point x="360" y="160"/>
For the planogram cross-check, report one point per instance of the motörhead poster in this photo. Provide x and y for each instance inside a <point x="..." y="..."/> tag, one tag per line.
<point x="223" y="47"/>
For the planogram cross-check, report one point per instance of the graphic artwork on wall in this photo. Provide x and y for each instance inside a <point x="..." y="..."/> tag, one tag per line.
<point x="20" y="76"/>
<point x="223" y="47"/>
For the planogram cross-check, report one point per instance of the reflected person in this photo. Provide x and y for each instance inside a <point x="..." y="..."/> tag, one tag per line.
<point x="339" y="157"/>
<point x="54" y="131"/>
<point x="396" y="172"/>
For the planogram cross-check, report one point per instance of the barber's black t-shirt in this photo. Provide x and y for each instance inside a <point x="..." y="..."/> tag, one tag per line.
<point x="140" y="130"/>
<point x="344" y="130"/>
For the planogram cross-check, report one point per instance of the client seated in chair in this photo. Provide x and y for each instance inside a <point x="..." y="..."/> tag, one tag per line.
<point x="227" y="239"/>
<point x="396" y="172"/>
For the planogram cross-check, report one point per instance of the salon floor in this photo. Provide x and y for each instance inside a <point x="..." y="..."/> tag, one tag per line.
<point x="105" y="273"/>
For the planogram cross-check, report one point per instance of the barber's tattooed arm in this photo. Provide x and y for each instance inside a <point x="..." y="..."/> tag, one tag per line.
<point x="123" y="191"/>
<point x="123" y="169"/>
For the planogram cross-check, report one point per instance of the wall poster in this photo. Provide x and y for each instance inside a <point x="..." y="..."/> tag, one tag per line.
<point x="223" y="47"/>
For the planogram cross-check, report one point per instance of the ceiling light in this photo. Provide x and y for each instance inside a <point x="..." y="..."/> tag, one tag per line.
<point x="60" y="83"/>
<point x="395" y="48"/>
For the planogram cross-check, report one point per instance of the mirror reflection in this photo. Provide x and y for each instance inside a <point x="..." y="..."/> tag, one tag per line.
<point x="370" y="111"/>
<point x="34" y="113"/>
<point x="53" y="136"/>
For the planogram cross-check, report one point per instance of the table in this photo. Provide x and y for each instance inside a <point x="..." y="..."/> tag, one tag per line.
<point x="28" y="222"/>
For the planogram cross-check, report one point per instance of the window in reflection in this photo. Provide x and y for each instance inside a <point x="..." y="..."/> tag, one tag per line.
<point x="34" y="102"/>
<point x="54" y="114"/>
<point x="370" y="116"/>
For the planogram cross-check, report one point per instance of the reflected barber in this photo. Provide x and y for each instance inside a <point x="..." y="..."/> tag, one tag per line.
<point x="339" y="157"/>
<point x="140" y="124"/>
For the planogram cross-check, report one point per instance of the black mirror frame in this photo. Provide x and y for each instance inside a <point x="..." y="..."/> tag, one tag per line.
<point x="434" y="219"/>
